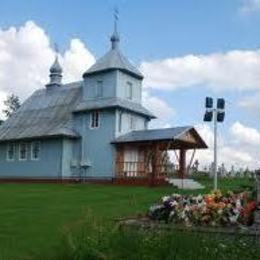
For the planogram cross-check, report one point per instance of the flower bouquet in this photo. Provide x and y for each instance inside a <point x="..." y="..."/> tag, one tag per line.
<point x="212" y="209"/>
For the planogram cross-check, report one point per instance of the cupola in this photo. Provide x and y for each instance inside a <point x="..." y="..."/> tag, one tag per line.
<point x="55" y="74"/>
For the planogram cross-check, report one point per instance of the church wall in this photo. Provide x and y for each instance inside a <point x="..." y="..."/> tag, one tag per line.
<point x="108" y="80"/>
<point x="121" y="90"/>
<point x="97" y="151"/>
<point x="48" y="166"/>
<point x="114" y="85"/>
<point x="139" y="122"/>
<point x="67" y="157"/>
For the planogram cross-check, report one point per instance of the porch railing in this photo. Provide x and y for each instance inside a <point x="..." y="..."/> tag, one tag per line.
<point x="142" y="169"/>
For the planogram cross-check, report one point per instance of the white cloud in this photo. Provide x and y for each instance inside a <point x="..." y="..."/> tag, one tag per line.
<point x="232" y="150"/>
<point x="245" y="134"/>
<point x="251" y="103"/>
<point x="206" y="133"/>
<point x="26" y="56"/>
<point x="3" y="97"/>
<point x="163" y="111"/>
<point x="76" y="60"/>
<point x="234" y="70"/>
<point x="250" y="6"/>
<point x="237" y="157"/>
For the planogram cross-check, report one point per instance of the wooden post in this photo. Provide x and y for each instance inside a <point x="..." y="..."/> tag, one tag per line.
<point x="119" y="161"/>
<point x="155" y="164"/>
<point x="182" y="163"/>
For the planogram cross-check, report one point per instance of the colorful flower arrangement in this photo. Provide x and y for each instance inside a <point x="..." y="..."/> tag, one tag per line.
<point x="212" y="209"/>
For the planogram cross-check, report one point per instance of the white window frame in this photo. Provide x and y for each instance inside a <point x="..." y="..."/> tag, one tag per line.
<point x="26" y="152"/>
<point x="131" y="159"/>
<point x="92" y="114"/>
<point x="129" y="90"/>
<point x="99" y="89"/>
<point x="32" y="153"/>
<point x="7" y="152"/>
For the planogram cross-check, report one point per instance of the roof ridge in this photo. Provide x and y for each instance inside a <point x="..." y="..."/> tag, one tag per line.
<point x="113" y="59"/>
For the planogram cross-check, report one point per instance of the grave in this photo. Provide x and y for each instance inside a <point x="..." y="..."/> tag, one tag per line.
<point x="145" y="223"/>
<point x="256" y="225"/>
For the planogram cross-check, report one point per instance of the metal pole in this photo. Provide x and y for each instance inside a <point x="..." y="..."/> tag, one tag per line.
<point x="215" y="150"/>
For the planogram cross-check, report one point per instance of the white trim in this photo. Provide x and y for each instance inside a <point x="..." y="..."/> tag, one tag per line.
<point x="7" y="152"/>
<point x="91" y="117"/>
<point x="32" y="158"/>
<point x="26" y="152"/>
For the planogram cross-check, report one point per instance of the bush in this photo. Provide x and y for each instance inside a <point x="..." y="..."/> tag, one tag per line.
<point x="91" y="240"/>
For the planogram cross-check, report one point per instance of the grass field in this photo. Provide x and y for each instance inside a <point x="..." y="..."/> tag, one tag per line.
<point x="33" y="217"/>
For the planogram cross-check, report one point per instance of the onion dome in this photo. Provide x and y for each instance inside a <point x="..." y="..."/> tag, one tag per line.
<point x="56" y="67"/>
<point x="55" y="74"/>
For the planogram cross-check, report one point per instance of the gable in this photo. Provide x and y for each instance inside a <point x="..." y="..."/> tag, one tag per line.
<point x="188" y="137"/>
<point x="191" y="137"/>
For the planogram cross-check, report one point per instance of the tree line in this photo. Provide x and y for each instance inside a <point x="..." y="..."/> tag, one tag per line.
<point x="12" y="104"/>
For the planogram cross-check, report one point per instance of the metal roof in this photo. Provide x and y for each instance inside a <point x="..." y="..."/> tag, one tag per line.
<point x="113" y="102"/>
<point x="114" y="59"/>
<point x="152" y="134"/>
<point x="163" y="134"/>
<point x="47" y="113"/>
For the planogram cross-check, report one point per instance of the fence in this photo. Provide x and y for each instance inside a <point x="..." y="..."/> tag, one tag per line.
<point x="142" y="169"/>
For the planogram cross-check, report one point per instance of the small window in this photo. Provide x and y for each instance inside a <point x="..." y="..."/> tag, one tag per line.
<point x="120" y="122"/>
<point x="99" y="89"/>
<point x="22" y="151"/>
<point x="132" y="122"/>
<point x="129" y="90"/>
<point x="35" y="150"/>
<point x="94" y="119"/>
<point x="10" y="152"/>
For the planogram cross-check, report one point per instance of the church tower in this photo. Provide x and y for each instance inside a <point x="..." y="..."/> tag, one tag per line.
<point x="112" y="103"/>
<point x="114" y="81"/>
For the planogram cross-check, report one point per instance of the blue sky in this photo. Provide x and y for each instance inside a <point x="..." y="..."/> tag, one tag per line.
<point x="150" y="29"/>
<point x="169" y="29"/>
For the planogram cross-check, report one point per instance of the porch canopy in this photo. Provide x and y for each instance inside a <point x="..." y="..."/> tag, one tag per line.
<point x="179" y="137"/>
<point x="156" y="141"/>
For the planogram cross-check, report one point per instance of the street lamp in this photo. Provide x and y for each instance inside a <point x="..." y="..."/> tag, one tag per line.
<point x="217" y="114"/>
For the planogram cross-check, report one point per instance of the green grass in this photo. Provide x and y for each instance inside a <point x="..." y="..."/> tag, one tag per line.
<point x="34" y="217"/>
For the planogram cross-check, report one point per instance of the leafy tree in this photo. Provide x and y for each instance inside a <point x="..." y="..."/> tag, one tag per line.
<point x="12" y="104"/>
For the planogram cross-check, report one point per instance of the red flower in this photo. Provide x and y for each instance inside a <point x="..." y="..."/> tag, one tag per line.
<point x="248" y="209"/>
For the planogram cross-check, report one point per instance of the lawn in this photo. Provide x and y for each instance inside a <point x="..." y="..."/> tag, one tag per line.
<point x="33" y="217"/>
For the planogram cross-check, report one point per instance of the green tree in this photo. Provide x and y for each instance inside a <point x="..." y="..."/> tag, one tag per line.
<point x="12" y="103"/>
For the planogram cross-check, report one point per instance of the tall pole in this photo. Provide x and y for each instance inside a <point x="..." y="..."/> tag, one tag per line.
<point x="215" y="150"/>
<point x="217" y="114"/>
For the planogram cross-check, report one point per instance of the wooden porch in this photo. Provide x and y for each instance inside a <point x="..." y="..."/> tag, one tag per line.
<point x="148" y="161"/>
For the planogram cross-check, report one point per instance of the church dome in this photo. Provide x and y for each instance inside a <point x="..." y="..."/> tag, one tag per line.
<point x="56" y="67"/>
<point x="114" y="60"/>
<point x="55" y="74"/>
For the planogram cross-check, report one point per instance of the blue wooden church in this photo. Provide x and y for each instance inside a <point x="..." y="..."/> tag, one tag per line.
<point x="94" y="129"/>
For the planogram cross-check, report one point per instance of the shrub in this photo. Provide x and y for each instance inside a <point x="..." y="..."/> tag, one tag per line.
<point x="91" y="240"/>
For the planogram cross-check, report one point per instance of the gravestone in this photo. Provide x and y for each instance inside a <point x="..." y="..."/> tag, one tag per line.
<point x="257" y="194"/>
